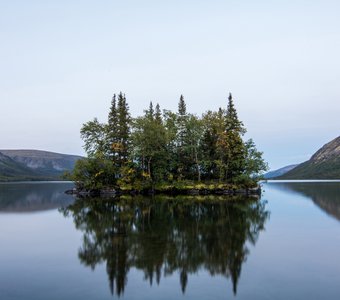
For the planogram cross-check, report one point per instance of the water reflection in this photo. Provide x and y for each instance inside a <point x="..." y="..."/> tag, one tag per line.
<point x="326" y="195"/>
<point x="33" y="196"/>
<point x="164" y="236"/>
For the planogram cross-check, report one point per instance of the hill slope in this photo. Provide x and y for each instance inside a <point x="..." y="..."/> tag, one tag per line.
<point x="279" y="172"/>
<point x="34" y="164"/>
<point x="324" y="164"/>
<point x="10" y="169"/>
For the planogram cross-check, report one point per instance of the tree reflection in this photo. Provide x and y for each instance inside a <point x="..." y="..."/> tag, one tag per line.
<point x="164" y="235"/>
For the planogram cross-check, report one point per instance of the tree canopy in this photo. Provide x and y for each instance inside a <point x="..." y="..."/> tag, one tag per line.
<point x="164" y="146"/>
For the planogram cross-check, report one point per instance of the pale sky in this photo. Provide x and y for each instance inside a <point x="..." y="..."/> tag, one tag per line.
<point x="61" y="62"/>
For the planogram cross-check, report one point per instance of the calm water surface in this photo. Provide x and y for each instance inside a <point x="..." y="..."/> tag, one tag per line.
<point x="284" y="246"/>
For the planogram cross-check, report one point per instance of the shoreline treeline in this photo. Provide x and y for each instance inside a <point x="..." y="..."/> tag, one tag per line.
<point x="163" y="147"/>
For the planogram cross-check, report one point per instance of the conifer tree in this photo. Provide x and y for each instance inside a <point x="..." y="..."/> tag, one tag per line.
<point x="231" y="146"/>
<point x="112" y="119"/>
<point x="123" y="120"/>
<point x="182" y="108"/>
<point x="150" y="112"/>
<point x="158" y="114"/>
<point x="181" y="122"/>
<point x="183" y="152"/>
<point x="231" y="120"/>
<point x="112" y="130"/>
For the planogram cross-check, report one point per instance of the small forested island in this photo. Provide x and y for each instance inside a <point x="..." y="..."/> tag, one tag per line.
<point x="167" y="152"/>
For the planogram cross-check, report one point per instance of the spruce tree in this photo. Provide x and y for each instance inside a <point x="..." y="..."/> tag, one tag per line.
<point x="112" y="119"/>
<point x="158" y="114"/>
<point x="231" y="145"/>
<point x="231" y="120"/>
<point x="182" y="108"/>
<point x="181" y="139"/>
<point x="150" y="112"/>
<point x="112" y="130"/>
<point x="181" y="122"/>
<point x="123" y="120"/>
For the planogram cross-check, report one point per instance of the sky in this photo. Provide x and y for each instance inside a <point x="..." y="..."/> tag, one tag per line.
<point x="61" y="62"/>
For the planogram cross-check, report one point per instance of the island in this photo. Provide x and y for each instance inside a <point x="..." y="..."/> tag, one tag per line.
<point x="167" y="152"/>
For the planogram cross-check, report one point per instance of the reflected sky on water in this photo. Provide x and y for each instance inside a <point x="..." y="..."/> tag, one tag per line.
<point x="284" y="246"/>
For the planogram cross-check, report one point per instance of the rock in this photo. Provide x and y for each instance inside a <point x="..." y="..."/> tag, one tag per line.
<point x="71" y="192"/>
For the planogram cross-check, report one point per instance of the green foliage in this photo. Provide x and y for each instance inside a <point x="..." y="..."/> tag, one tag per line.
<point x="94" y="173"/>
<point x="123" y="130"/>
<point x="232" y="122"/>
<point x="167" y="147"/>
<point x="149" y="141"/>
<point x="254" y="164"/>
<point x="93" y="135"/>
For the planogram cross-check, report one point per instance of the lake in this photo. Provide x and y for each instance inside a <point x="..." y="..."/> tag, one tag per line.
<point x="284" y="246"/>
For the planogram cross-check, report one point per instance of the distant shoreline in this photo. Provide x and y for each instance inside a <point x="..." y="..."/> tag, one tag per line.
<point x="299" y="180"/>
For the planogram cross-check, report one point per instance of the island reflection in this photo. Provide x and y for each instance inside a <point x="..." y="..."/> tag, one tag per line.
<point x="163" y="236"/>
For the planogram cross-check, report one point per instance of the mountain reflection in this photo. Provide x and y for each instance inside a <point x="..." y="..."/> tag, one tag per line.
<point x="162" y="236"/>
<point x="26" y="197"/>
<point x="326" y="195"/>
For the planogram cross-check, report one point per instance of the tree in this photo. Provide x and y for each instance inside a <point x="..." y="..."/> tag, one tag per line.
<point x="213" y="126"/>
<point x="171" y="131"/>
<point x="93" y="173"/>
<point x="230" y="145"/>
<point x="93" y="135"/>
<point x="255" y="165"/>
<point x="181" y="122"/>
<point x="112" y="131"/>
<point x="182" y="108"/>
<point x="232" y="123"/>
<point x="183" y="148"/>
<point x="231" y="150"/>
<point x="168" y="146"/>
<point x="123" y="130"/>
<point x="149" y="141"/>
<point x="194" y="129"/>
<point x="158" y="114"/>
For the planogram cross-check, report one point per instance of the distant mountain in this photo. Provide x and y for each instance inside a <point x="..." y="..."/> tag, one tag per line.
<point x="10" y="169"/>
<point x="324" y="164"/>
<point x="279" y="172"/>
<point x="34" y="165"/>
